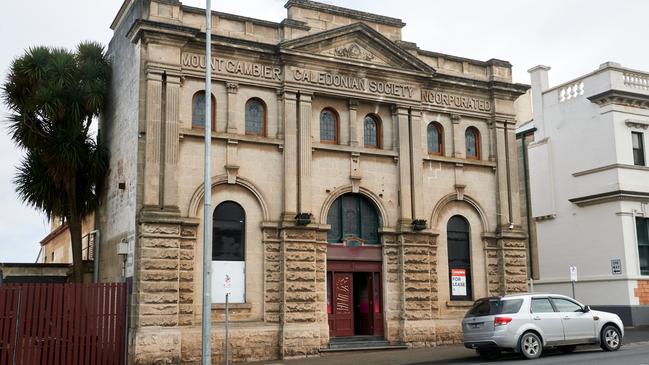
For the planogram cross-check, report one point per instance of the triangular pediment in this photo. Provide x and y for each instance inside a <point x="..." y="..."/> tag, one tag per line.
<point x="360" y="44"/>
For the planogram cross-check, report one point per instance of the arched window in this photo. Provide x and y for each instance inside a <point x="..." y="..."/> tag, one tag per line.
<point x="229" y="252"/>
<point x="472" y="141"/>
<point x="435" y="134"/>
<point x="328" y="126"/>
<point x="459" y="258"/>
<point x="229" y="232"/>
<point x="372" y="131"/>
<point x="354" y="221"/>
<point x="198" y="110"/>
<point x="255" y="117"/>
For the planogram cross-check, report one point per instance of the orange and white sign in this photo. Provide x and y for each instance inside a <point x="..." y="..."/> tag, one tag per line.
<point x="458" y="282"/>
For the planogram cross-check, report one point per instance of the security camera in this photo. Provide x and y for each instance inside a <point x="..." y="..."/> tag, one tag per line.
<point x="511" y="226"/>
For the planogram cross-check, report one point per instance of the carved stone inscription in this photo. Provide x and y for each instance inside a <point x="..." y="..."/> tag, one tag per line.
<point x="343" y="294"/>
<point x="353" y="83"/>
<point x="445" y="99"/>
<point x="234" y="67"/>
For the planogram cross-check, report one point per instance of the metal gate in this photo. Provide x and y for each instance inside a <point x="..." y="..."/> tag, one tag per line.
<point x="62" y="324"/>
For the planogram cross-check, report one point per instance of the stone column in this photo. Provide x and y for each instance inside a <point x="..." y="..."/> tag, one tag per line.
<point x="416" y="138"/>
<point x="290" y="155"/>
<point x="458" y="148"/>
<point x="405" y="196"/>
<point x="153" y="132"/>
<point x="232" y="88"/>
<point x="353" y="123"/>
<point x="305" y="155"/>
<point x="171" y="142"/>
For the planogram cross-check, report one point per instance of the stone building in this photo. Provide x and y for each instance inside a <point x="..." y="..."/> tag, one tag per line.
<point x="361" y="185"/>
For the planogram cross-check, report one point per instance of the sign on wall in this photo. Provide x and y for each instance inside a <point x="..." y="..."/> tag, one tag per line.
<point x="616" y="267"/>
<point x="229" y="277"/>
<point x="458" y="282"/>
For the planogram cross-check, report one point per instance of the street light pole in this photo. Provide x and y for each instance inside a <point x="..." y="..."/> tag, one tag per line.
<point x="206" y="348"/>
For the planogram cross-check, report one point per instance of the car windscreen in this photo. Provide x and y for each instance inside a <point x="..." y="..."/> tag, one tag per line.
<point x="494" y="306"/>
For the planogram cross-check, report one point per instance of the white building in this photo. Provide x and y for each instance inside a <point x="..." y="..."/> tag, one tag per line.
<point x="590" y="187"/>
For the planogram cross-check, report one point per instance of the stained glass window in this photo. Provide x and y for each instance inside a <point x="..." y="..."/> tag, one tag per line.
<point x="472" y="140"/>
<point x="198" y="110"/>
<point x="353" y="220"/>
<point x="328" y="126"/>
<point x="255" y="117"/>
<point x="372" y="131"/>
<point x="435" y="139"/>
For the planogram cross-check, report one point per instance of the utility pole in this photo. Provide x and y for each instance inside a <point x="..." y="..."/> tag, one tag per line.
<point x="206" y="348"/>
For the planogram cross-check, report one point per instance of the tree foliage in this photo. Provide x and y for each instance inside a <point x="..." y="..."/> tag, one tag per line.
<point x="54" y="95"/>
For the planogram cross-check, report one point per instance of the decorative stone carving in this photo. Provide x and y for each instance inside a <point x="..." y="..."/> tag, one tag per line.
<point x="353" y="51"/>
<point x="232" y="87"/>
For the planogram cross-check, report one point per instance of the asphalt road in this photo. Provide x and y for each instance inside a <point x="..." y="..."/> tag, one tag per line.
<point x="634" y="351"/>
<point x="631" y="354"/>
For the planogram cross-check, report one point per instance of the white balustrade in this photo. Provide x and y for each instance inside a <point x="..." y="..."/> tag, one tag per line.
<point x="571" y="91"/>
<point x="636" y="81"/>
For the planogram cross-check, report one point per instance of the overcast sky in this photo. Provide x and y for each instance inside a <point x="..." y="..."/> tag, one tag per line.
<point x="572" y="36"/>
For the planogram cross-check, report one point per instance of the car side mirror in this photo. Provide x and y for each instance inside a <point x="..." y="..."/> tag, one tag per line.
<point x="586" y="309"/>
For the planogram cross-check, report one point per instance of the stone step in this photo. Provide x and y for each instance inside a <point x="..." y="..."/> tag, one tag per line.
<point x="361" y="343"/>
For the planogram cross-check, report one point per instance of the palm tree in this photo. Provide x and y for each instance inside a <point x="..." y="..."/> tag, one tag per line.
<point x="53" y="96"/>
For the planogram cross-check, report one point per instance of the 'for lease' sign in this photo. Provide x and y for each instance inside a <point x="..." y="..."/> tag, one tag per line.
<point x="458" y="282"/>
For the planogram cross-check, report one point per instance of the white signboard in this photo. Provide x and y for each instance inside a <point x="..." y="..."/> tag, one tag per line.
<point x="458" y="282"/>
<point x="616" y="267"/>
<point x="229" y="277"/>
<point x="129" y="265"/>
<point x="573" y="273"/>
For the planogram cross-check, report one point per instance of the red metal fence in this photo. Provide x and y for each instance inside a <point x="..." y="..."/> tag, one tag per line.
<point x="62" y="324"/>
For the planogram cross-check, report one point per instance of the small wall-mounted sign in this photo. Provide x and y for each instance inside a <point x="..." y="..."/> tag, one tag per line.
<point x="458" y="282"/>
<point x="616" y="267"/>
<point x="573" y="273"/>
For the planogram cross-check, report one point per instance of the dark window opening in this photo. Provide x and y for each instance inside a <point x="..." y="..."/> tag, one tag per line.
<point x="255" y="117"/>
<point x="642" y="227"/>
<point x="198" y="110"/>
<point x="229" y="232"/>
<point x="328" y="126"/>
<point x="372" y="131"/>
<point x="459" y="258"/>
<point x="435" y="134"/>
<point x="638" y="148"/>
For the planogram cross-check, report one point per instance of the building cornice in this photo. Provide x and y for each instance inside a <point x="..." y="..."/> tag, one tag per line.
<point x="615" y="195"/>
<point x="610" y="167"/>
<point x="621" y="97"/>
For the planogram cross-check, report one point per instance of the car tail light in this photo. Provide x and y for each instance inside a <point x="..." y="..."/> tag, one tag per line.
<point x="501" y="321"/>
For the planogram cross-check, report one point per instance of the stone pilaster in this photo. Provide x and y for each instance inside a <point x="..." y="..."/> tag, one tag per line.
<point x="417" y="166"/>
<point x="303" y="317"/>
<point x="457" y="137"/>
<point x="171" y="141"/>
<point x="402" y="117"/>
<point x="503" y="203"/>
<point x="353" y="123"/>
<point x="305" y="153"/>
<point x="232" y="88"/>
<point x="153" y="133"/>
<point x="290" y="155"/>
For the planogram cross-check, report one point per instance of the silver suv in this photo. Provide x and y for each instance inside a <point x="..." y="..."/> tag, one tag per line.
<point x="527" y="323"/>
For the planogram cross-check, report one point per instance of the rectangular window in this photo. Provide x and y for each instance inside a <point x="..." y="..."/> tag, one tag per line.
<point x="642" y="227"/>
<point x="638" y="148"/>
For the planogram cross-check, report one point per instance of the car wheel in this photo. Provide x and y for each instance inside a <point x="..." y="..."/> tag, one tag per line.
<point x="489" y="354"/>
<point x="610" y="338"/>
<point x="530" y="345"/>
<point x="566" y="349"/>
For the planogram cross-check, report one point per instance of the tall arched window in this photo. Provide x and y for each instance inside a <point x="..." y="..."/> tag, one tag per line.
<point x="354" y="221"/>
<point x="472" y="141"/>
<point x="256" y="117"/>
<point x="459" y="258"/>
<point x="435" y="134"/>
<point x="198" y="110"/>
<point x="328" y="126"/>
<point x="229" y="251"/>
<point x="372" y="131"/>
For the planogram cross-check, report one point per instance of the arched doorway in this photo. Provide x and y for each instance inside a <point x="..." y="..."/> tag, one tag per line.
<point x="459" y="258"/>
<point x="354" y="283"/>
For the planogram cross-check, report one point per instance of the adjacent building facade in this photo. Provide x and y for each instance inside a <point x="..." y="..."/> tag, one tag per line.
<point x="589" y="185"/>
<point x="361" y="185"/>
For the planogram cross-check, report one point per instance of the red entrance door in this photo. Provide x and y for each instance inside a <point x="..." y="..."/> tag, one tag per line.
<point x="342" y="320"/>
<point x="354" y="304"/>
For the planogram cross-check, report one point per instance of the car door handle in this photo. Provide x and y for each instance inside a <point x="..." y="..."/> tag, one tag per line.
<point x="537" y="318"/>
<point x="566" y="317"/>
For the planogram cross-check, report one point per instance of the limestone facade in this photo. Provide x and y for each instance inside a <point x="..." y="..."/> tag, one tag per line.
<point x="321" y="57"/>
